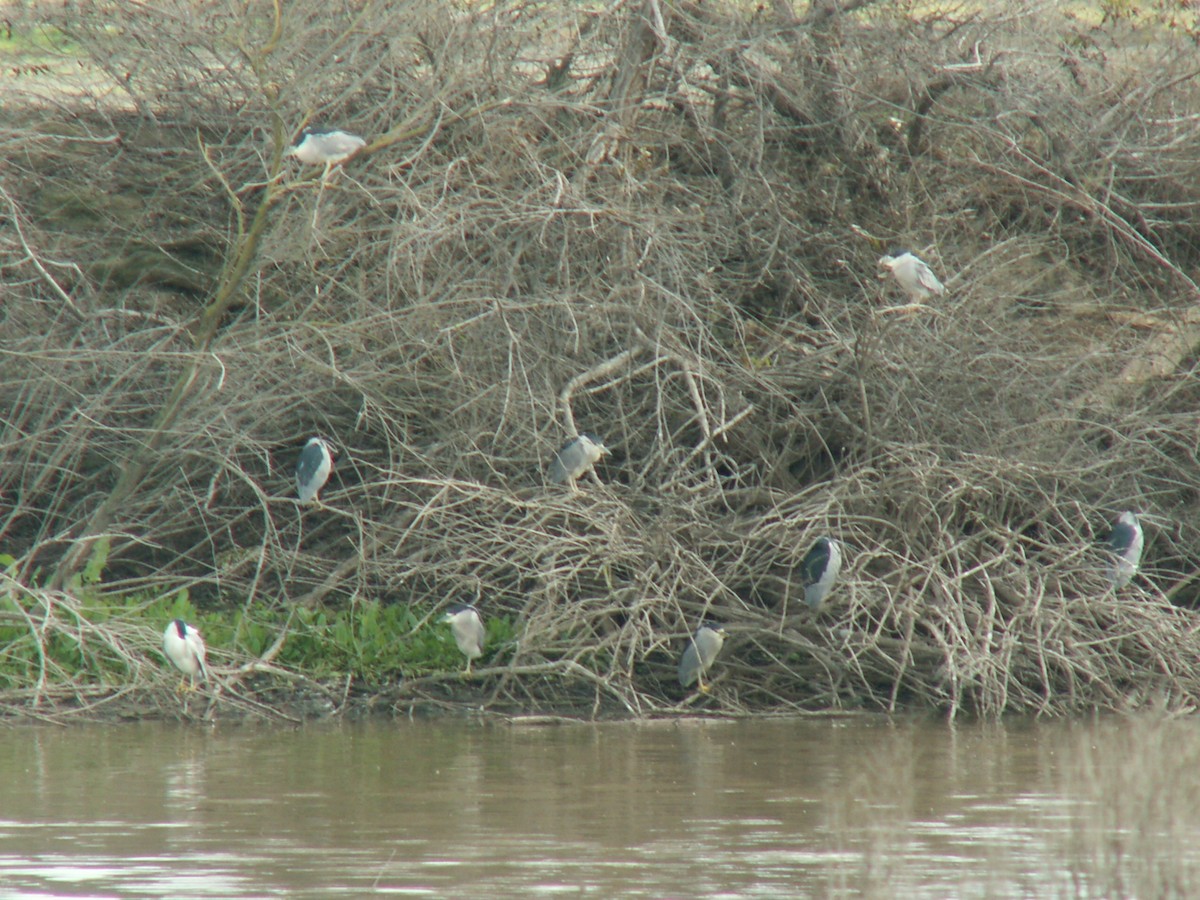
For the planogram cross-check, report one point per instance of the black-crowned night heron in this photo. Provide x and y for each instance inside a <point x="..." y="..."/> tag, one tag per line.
<point x="701" y="650"/>
<point x="820" y="570"/>
<point x="914" y="276"/>
<point x="313" y="468"/>
<point x="325" y="146"/>
<point x="1125" y="543"/>
<point x="184" y="647"/>
<point x="468" y="631"/>
<point x="575" y="458"/>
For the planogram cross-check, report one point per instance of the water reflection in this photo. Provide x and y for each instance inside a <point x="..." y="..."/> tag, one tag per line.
<point x="738" y="809"/>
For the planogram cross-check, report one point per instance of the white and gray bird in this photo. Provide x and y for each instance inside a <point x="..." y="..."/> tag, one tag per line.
<point x="576" y="458"/>
<point x="1125" y="543"/>
<point x="468" y="631"/>
<point x="184" y="647"/>
<point x="316" y="146"/>
<point x="699" y="654"/>
<point x="820" y="569"/>
<point x="313" y="468"/>
<point x="913" y="275"/>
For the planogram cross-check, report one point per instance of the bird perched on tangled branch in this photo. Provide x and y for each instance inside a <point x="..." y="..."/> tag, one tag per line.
<point x="1125" y="542"/>
<point x="913" y="275"/>
<point x="313" y="468"/>
<point x="316" y="146"/>
<point x="820" y="569"/>
<point x="576" y="458"/>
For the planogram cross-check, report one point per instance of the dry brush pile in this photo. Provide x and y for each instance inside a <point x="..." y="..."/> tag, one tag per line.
<point x="658" y="221"/>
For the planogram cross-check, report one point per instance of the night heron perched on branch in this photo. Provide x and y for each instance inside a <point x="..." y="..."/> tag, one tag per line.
<point x="184" y="647"/>
<point x="1125" y="542"/>
<point x="701" y="650"/>
<point x="313" y="468"/>
<point x="327" y="147"/>
<point x="820" y="569"/>
<point x="468" y="631"/>
<point x="575" y="458"/>
<point x="914" y="275"/>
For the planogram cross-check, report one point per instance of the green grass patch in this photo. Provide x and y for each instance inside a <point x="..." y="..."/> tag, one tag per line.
<point x="371" y="641"/>
<point x="90" y="636"/>
<point x="42" y="42"/>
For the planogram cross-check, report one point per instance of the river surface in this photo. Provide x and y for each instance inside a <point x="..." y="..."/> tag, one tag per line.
<point x="795" y="808"/>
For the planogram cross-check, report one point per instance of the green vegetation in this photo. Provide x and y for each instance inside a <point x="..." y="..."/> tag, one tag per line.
<point x="93" y="636"/>
<point x="46" y="43"/>
<point x="372" y="642"/>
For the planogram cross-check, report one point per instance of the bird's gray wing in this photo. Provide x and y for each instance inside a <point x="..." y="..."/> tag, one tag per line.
<point x="928" y="280"/>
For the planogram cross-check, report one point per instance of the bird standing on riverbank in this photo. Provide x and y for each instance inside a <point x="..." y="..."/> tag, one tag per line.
<point x="184" y="647"/>
<point x="699" y="654"/>
<point x="467" y="628"/>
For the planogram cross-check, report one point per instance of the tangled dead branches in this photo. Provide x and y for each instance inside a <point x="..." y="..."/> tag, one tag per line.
<point x="657" y="222"/>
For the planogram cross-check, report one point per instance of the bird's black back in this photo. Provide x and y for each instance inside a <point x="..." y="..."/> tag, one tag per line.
<point x="815" y="562"/>
<point x="1122" y="537"/>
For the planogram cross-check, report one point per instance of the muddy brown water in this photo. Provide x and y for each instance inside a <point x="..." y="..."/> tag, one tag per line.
<point x="681" y="809"/>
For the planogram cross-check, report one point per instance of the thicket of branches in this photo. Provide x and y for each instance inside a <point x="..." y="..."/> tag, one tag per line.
<point x="654" y="220"/>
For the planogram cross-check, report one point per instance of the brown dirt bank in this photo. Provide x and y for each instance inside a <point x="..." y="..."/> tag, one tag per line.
<point x="310" y="702"/>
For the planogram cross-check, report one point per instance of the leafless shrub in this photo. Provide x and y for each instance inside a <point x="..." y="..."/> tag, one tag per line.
<point x="657" y="222"/>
